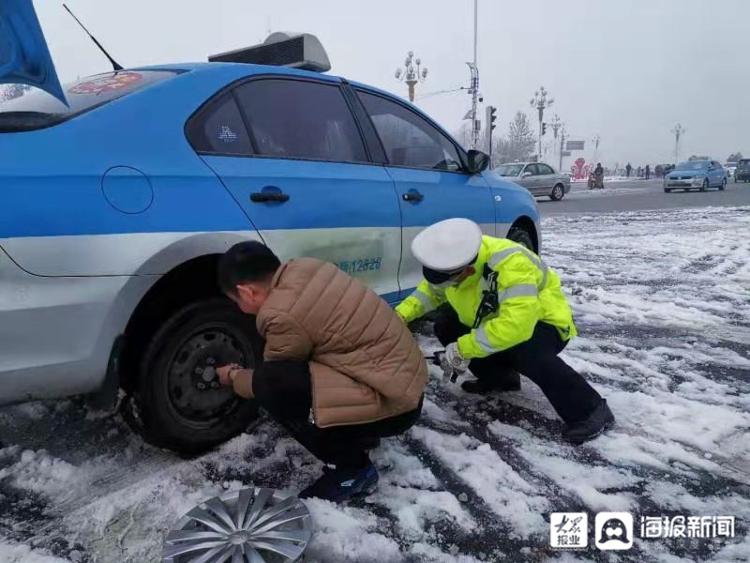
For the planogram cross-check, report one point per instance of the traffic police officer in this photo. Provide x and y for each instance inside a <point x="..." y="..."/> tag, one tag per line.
<point x="507" y="315"/>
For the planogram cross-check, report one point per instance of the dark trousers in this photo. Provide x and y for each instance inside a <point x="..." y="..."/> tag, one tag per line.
<point x="537" y="358"/>
<point x="283" y="389"/>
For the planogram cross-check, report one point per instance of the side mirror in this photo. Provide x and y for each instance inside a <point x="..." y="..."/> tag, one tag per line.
<point x="478" y="161"/>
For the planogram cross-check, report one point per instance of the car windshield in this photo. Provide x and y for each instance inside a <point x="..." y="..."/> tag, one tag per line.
<point x="692" y="165"/>
<point x="36" y="109"/>
<point x="509" y="169"/>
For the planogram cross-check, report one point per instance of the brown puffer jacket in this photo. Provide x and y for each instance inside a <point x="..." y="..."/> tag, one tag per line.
<point x="364" y="363"/>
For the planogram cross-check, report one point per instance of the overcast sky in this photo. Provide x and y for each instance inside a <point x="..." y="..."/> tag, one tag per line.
<point x="628" y="70"/>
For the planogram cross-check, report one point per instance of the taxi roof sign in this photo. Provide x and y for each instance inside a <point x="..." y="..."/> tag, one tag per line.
<point x="296" y="50"/>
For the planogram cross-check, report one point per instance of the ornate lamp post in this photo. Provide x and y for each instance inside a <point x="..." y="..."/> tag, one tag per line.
<point x="412" y="73"/>
<point x="678" y="132"/>
<point x="540" y="101"/>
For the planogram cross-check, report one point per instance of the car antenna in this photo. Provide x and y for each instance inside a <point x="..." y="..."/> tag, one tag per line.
<point x="115" y="64"/>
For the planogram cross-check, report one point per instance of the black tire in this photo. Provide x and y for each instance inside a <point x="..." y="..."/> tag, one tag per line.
<point x="168" y="407"/>
<point x="521" y="236"/>
<point x="557" y="193"/>
<point x="723" y="185"/>
<point x="705" y="185"/>
<point x="667" y="190"/>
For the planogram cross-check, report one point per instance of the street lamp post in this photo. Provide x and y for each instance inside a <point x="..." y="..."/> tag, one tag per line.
<point x="540" y="101"/>
<point x="412" y="73"/>
<point x="596" y="140"/>
<point x="562" y="145"/>
<point x="678" y="132"/>
<point x="556" y="124"/>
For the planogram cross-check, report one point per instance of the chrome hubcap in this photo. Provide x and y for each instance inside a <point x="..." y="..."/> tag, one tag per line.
<point x="246" y="526"/>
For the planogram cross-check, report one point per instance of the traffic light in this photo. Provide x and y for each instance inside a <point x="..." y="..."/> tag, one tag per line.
<point x="544" y="129"/>
<point x="491" y="117"/>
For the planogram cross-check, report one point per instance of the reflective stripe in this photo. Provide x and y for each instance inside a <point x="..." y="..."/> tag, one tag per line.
<point x="483" y="341"/>
<point x="498" y="257"/>
<point x="424" y="300"/>
<point x="520" y="290"/>
<point x="545" y="269"/>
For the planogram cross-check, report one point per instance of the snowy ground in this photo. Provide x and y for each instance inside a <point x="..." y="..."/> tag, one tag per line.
<point x="662" y="302"/>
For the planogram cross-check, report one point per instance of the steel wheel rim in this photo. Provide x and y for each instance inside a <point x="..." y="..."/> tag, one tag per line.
<point x="190" y="408"/>
<point x="255" y="525"/>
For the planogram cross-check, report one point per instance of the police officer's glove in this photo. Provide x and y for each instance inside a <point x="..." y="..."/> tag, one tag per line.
<point x="452" y="363"/>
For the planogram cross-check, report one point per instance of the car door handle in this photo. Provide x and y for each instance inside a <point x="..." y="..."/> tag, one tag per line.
<point x="263" y="197"/>
<point x="412" y="195"/>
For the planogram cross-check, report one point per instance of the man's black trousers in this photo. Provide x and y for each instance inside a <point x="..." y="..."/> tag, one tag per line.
<point x="283" y="389"/>
<point x="537" y="358"/>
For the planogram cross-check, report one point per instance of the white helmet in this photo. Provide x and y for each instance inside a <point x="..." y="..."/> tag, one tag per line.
<point x="446" y="248"/>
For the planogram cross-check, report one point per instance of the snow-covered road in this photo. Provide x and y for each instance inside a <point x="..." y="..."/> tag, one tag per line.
<point x="662" y="300"/>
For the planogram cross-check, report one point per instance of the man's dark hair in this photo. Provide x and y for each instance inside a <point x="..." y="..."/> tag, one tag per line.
<point x="245" y="262"/>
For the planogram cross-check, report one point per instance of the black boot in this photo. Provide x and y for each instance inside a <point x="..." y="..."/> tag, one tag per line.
<point x="509" y="381"/>
<point x="589" y="428"/>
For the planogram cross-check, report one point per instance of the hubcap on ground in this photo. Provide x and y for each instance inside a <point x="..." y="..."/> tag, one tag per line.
<point x="247" y="526"/>
<point x="193" y="385"/>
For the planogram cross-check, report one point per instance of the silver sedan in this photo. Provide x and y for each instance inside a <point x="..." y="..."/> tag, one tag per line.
<point x="537" y="177"/>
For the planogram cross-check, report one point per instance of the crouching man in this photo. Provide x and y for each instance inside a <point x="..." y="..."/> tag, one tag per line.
<point x="340" y="370"/>
<point x="507" y="314"/>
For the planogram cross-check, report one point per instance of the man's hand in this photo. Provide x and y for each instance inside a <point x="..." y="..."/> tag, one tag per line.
<point x="454" y="359"/>
<point x="224" y="373"/>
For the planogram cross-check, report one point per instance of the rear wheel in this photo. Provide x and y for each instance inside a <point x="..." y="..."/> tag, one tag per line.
<point x="177" y="401"/>
<point x="557" y="193"/>
<point x="521" y="236"/>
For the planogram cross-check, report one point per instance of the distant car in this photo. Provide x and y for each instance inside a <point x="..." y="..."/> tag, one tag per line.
<point x="742" y="174"/>
<point x="539" y="178"/>
<point x="731" y="168"/>
<point x="696" y="175"/>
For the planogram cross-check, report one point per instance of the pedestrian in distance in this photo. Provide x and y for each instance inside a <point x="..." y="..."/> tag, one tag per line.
<point x="628" y="169"/>
<point x="506" y="314"/>
<point x="340" y="370"/>
<point x="648" y="171"/>
<point x="599" y="176"/>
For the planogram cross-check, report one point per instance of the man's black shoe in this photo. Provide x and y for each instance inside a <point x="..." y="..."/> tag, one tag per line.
<point x="507" y="382"/>
<point x="343" y="484"/>
<point x="597" y="422"/>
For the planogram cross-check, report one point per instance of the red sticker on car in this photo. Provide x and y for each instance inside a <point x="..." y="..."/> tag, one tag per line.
<point x="107" y="83"/>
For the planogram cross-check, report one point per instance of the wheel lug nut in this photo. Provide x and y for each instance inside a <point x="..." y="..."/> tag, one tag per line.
<point x="201" y="386"/>
<point x="199" y="371"/>
<point x="210" y="361"/>
<point x="214" y="385"/>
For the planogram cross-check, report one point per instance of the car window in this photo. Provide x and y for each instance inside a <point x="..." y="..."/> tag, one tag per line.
<point x="408" y="139"/>
<point x="218" y="128"/>
<point x="544" y="169"/>
<point x="532" y="169"/>
<point x="300" y="119"/>
<point x="37" y="109"/>
<point x="509" y="169"/>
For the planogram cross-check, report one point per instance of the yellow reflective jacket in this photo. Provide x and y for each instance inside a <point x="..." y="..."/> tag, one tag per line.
<point x="528" y="292"/>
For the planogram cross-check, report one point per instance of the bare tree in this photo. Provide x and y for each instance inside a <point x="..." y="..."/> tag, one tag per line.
<point x="521" y="138"/>
<point x="736" y="157"/>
